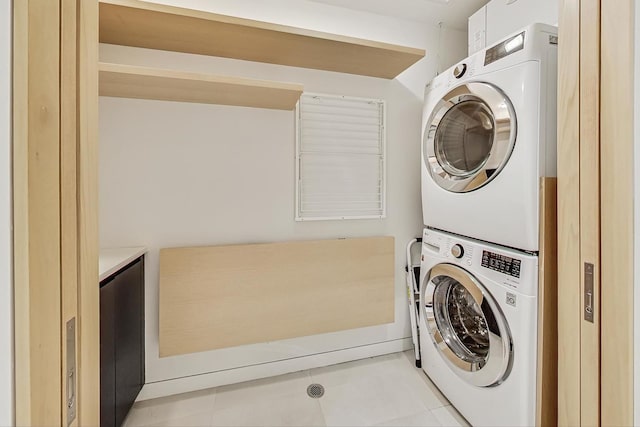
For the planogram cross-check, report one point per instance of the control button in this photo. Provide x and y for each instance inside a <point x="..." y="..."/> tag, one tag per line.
<point x="459" y="70"/>
<point x="457" y="251"/>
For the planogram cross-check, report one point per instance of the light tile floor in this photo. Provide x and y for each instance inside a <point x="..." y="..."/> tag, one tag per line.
<point x="381" y="391"/>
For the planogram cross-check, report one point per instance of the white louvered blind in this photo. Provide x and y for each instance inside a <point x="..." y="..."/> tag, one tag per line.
<point x="340" y="158"/>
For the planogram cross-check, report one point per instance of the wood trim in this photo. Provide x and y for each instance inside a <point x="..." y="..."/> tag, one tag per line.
<point x="224" y="296"/>
<point x="569" y="295"/>
<point x="547" y="372"/>
<point x="88" y="290"/>
<point x="590" y="206"/>
<point x="36" y="169"/>
<point x="156" y="26"/>
<point x="68" y="188"/>
<point x="20" y="163"/>
<point x="126" y="81"/>
<point x="616" y="168"/>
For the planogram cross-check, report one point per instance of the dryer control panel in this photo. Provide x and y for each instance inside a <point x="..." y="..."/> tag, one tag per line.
<point x="507" y="47"/>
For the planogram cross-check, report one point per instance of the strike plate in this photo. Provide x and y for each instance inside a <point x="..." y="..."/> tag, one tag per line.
<point x="588" y="292"/>
<point x="71" y="374"/>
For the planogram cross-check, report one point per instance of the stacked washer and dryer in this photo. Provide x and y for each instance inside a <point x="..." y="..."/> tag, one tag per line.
<point x="489" y="135"/>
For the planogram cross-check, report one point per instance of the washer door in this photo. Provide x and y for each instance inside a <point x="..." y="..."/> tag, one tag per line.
<point x="469" y="137"/>
<point x="466" y="325"/>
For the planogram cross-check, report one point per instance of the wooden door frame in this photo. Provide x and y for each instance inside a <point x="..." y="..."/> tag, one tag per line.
<point x="36" y="218"/>
<point x="87" y="205"/>
<point x="589" y="208"/>
<point x="569" y="297"/>
<point x="616" y="207"/>
<point x="55" y="250"/>
<point x="6" y="244"/>
<point x="608" y="241"/>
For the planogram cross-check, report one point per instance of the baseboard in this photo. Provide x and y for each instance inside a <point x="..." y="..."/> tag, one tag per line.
<point x="271" y="369"/>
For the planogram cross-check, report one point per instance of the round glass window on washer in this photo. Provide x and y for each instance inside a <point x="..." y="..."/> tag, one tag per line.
<point x="466" y="326"/>
<point x="461" y="322"/>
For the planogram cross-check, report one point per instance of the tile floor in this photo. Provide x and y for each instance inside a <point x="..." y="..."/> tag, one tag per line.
<point x="380" y="391"/>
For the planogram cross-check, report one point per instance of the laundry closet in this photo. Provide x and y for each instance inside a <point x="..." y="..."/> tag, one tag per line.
<point x="178" y="177"/>
<point x="245" y="184"/>
<point x="195" y="175"/>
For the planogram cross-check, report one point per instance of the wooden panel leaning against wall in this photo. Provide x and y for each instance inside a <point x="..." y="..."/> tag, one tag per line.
<point x="286" y="292"/>
<point x="547" y="364"/>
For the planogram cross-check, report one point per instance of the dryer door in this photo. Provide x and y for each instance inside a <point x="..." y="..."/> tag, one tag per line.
<point x="466" y="325"/>
<point x="469" y="137"/>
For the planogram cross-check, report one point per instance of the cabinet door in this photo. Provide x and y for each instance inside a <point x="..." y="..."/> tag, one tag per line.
<point x="107" y="356"/>
<point x="477" y="31"/>
<point x="129" y="337"/>
<point x="504" y="18"/>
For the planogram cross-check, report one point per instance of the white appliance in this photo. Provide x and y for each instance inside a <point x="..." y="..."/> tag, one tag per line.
<point x="489" y="134"/>
<point x="478" y="328"/>
<point x="499" y="18"/>
<point x="477" y="31"/>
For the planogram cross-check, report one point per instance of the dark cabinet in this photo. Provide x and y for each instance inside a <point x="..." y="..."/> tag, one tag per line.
<point x="121" y="342"/>
<point x="107" y="357"/>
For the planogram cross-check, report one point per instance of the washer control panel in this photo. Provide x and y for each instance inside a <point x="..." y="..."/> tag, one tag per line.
<point x="457" y="250"/>
<point x="513" y="269"/>
<point x="501" y="263"/>
<point x="459" y="70"/>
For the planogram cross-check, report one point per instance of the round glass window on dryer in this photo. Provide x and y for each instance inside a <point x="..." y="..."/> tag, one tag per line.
<point x="467" y="326"/>
<point x="469" y="137"/>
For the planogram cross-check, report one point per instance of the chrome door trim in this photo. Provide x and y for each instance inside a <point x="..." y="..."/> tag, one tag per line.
<point x="496" y="367"/>
<point x="504" y="120"/>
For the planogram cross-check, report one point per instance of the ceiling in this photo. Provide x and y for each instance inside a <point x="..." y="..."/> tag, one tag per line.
<point x="452" y="13"/>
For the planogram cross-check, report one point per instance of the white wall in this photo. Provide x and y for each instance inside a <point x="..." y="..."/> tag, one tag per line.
<point x="178" y="174"/>
<point x="6" y="297"/>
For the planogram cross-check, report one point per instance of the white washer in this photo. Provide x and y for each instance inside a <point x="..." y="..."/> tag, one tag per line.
<point x="489" y="134"/>
<point x="478" y="327"/>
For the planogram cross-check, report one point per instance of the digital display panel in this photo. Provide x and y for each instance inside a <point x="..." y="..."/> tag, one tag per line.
<point x="503" y="49"/>
<point x="501" y="263"/>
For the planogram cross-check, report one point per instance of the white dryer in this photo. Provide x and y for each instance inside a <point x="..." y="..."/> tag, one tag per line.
<point x="489" y="134"/>
<point x="478" y="327"/>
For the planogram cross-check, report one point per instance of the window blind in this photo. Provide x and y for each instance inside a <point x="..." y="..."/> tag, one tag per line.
<point x="340" y="154"/>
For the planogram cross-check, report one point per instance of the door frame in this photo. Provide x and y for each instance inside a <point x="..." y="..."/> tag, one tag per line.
<point x="616" y="207"/>
<point x="6" y="245"/>
<point x="54" y="142"/>
<point x="595" y="211"/>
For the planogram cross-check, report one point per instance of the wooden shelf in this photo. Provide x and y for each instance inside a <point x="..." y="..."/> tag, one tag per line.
<point x="155" y="26"/>
<point x="126" y="81"/>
